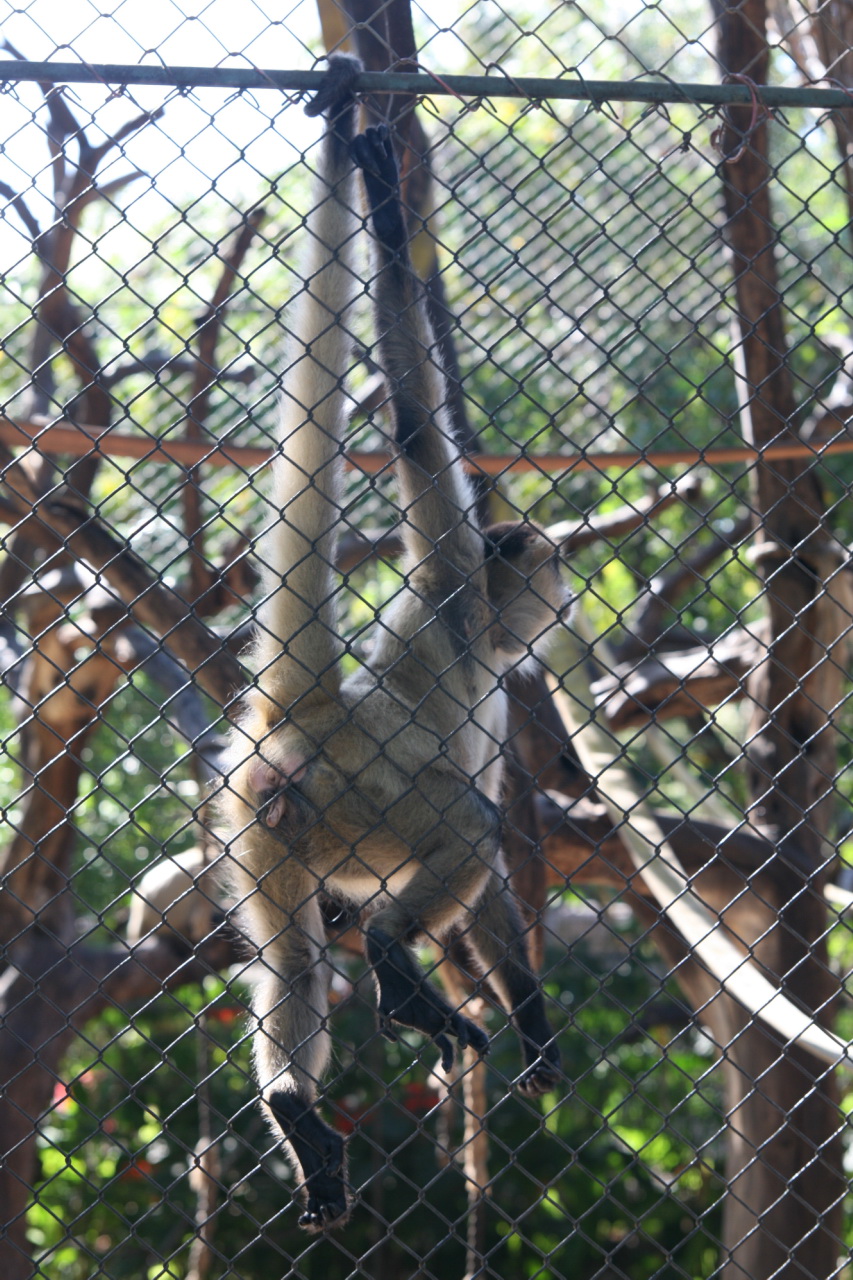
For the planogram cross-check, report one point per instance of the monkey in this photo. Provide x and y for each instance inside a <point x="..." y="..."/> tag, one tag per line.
<point x="178" y="897"/>
<point x="380" y="788"/>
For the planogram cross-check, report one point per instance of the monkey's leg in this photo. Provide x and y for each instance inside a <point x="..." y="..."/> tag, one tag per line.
<point x="454" y="851"/>
<point x="292" y="1044"/>
<point x="497" y="936"/>
<point x="407" y="996"/>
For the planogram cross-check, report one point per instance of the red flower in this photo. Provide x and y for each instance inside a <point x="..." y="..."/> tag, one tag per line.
<point x="419" y="1097"/>
<point x="136" y="1170"/>
<point x="226" y="1013"/>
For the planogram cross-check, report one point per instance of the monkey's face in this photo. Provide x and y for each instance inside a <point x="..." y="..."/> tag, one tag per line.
<point x="525" y="588"/>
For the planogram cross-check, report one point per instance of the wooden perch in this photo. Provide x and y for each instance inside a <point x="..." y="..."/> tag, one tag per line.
<point x="679" y="683"/>
<point x="581" y="845"/>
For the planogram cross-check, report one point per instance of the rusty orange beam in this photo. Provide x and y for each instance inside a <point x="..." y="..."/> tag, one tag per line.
<point x="78" y="440"/>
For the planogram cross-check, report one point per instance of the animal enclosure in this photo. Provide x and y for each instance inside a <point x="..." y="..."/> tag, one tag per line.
<point x="633" y="233"/>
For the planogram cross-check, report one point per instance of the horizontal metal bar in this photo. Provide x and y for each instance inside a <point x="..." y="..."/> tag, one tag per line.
<point x="573" y="86"/>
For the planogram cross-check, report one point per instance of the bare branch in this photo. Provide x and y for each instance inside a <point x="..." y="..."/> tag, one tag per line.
<point x="149" y="601"/>
<point x="201" y="578"/>
<point x="20" y="206"/>
<point x="158" y="363"/>
<point x="645" y="623"/>
<point x="574" y="534"/>
<point x="679" y="683"/>
<point x="91" y="156"/>
<point x="108" y="189"/>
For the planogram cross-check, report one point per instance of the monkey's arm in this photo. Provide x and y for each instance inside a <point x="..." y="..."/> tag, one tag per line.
<point x="297" y="648"/>
<point x="435" y="495"/>
<point x="291" y="1043"/>
<point x="297" y="641"/>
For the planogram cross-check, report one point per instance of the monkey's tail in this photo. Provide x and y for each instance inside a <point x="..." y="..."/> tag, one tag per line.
<point x="297" y="642"/>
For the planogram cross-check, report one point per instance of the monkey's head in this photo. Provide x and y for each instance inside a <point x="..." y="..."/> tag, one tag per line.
<point x="525" y="588"/>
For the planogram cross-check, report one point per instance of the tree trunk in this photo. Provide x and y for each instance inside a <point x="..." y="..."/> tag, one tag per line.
<point x="782" y="1215"/>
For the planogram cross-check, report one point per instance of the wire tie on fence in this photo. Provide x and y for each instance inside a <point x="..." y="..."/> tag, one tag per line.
<point x="836" y="84"/>
<point x="84" y="62"/>
<point x="760" y="113"/>
<point x="441" y="83"/>
<point x="290" y="98"/>
<point x="246" y="94"/>
<point x="519" y="89"/>
<point x="654" y="109"/>
<point x="662" y="77"/>
<point x="593" y="103"/>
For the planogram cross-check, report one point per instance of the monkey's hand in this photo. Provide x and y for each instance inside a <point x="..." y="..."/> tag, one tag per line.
<point x="337" y="92"/>
<point x="406" y="997"/>
<point x="542" y="1074"/>
<point x="320" y="1154"/>
<point x="373" y="152"/>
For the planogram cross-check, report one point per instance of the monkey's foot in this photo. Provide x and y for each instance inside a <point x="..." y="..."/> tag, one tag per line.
<point x="406" y="997"/>
<point x="326" y="1205"/>
<point x="319" y="1151"/>
<point x="337" y="89"/>
<point x="542" y="1074"/>
<point x="373" y="152"/>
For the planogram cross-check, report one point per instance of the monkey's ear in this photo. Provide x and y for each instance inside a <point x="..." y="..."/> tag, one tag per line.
<point x="525" y="588"/>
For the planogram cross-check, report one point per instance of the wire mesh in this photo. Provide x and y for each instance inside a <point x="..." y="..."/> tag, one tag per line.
<point x="641" y="311"/>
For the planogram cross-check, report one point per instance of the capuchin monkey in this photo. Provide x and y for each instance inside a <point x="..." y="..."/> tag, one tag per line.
<point x="379" y="789"/>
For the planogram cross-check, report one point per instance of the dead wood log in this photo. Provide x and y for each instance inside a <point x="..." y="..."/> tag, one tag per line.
<point x="784" y="1171"/>
<point x="678" y="683"/>
<point x="580" y="845"/>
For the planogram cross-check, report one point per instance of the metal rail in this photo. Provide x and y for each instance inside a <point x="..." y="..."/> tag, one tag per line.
<point x="573" y="86"/>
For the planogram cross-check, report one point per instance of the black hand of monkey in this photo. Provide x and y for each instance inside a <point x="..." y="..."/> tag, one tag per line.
<point x="338" y="88"/>
<point x="320" y="1152"/>
<point x="542" y="1057"/>
<point x="373" y="152"/>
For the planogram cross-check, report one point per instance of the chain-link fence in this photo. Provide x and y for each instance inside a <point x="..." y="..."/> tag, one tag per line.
<point x="632" y="226"/>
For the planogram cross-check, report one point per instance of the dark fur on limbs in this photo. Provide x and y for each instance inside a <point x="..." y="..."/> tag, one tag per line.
<point x="320" y="1152"/>
<point x="405" y="996"/>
